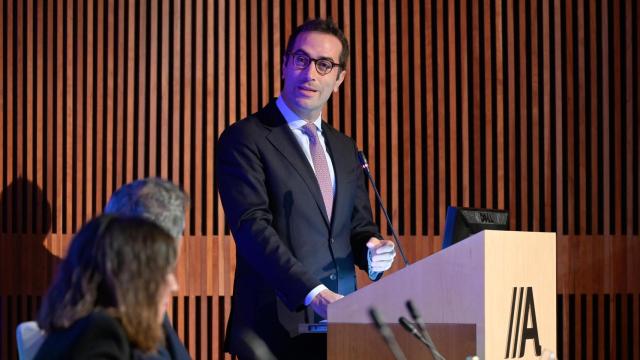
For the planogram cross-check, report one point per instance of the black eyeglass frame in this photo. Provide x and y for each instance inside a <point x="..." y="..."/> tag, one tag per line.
<point x="315" y="61"/>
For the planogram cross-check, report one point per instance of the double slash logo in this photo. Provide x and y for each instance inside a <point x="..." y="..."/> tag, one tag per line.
<point x="528" y="330"/>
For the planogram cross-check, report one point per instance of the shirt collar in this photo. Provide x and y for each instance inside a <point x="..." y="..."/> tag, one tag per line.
<point x="294" y="121"/>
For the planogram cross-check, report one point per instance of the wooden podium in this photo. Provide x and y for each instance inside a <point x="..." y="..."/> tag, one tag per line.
<point x="492" y="294"/>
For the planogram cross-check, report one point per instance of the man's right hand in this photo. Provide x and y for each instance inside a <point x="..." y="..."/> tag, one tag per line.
<point x="321" y="301"/>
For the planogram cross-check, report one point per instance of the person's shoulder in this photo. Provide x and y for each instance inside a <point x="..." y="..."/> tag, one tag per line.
<point x="249" y="123"/>
<point x="104" y="335"/>
<point x="256" y="123"/>
<point x="101" y="320"/>
<point x="97" y="335"/>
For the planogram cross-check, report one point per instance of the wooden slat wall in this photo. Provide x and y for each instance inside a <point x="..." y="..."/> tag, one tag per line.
<point x="530" y="106"/>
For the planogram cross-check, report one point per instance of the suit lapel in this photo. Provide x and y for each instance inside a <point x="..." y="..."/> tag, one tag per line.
<point x="285" y="142"/>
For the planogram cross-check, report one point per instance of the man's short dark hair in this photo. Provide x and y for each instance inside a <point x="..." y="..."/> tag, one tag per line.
<point x="326" y="26"/>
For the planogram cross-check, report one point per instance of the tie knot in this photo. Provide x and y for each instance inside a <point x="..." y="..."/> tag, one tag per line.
<point x="311" y="131"/>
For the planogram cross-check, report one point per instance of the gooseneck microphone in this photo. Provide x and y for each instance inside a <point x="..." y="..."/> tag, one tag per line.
<point x="387" y="334"/>
<point x="424" y="335"/>
<point x="365" y="167"/>
<point x="411" y="329"/>
<point x="415" y="315"/>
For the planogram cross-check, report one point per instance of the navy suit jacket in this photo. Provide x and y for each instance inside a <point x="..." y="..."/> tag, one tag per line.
<point x="286" y="245"/>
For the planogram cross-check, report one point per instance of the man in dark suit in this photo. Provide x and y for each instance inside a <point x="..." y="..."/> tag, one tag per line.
<point x="296" y="202"/>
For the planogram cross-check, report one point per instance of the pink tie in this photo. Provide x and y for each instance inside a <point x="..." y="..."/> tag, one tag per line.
<point x="320" y="166"/>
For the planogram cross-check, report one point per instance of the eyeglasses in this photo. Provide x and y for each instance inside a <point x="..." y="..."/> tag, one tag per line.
<point x="323" y="66"/>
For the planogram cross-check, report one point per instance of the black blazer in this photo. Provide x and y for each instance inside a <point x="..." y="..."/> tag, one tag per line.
<point x="100" y="336"/>
<point x="285" y="243"/>
<point x="96" y="336"/>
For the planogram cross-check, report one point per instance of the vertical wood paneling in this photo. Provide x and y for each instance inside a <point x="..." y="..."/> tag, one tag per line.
<point x="140" y="92"/>
<point x="39" y="133"/>
<point x="108" y="93"/>
<point x="463" y="142"/>
<point x="627" y="211"/>
<point x="581" y="119"/>
<point x="18" y="116"/>
<point x="357" y="75"/>
<point x="522" y="81"/>
<point x="163" y="30"/>
<point x="419" y="139"/>
<point x="49" y="116"/>
<point x="98" y="100"/>
<point x="439" y="125"/>
<point x="534" y="157"/>
<point x="500" y="96"/>
<point x="152" y="45"/>
<point x="531" y="106"/>
<point x="198" y="166"/>
<point x="636" y="324"/>
<point x="381" y="176"/>
<point x="371" y="74"/>
<point x="88" y="116"/>
<point x="593" y="111"/>
<point x="477" y="60"/>
<point x="452" y="81"/>
<point x="3" y="70"/>
<point x="617" y="110"/>
<point x="393" y="119"/>
<point x="510" y="112"/>
<point x="428" y="147"/>
<point x="547" y="113"/>
<point x="78" y="116"/>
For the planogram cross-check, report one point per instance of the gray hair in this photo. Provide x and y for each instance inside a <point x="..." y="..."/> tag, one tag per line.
<point x="154" y="199"/>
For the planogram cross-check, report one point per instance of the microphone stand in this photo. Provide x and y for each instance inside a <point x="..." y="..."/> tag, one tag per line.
<point x="365" y="167"/>
<point x="387" y="334"/>
<point x="424" y="335"/>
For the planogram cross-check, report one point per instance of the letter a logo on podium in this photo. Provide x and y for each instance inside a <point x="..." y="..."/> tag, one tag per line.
<point x="522" y="324"/>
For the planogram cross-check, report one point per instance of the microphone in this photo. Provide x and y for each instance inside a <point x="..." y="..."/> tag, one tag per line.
<point x="365" y="167"/>
<point x="415" y="315"/>
<point x="411" y="328"/>
<point x="387" y="334"/>
<point x="426" y="339"/>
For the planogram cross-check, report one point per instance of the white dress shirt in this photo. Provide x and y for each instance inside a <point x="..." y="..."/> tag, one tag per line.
<point x="295" y="124"/>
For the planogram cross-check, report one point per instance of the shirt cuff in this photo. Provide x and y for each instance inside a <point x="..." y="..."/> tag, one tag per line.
<point x="316" y="290"/>
<point x="373" y="275"/>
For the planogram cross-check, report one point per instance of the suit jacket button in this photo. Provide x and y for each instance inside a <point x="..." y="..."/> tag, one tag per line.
<point x="332" y="276"/>
<point x="333" y="240"/>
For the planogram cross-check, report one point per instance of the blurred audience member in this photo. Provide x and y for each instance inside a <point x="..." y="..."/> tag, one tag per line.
<point x="110" y="294"/>
<point x="163" y="203"/>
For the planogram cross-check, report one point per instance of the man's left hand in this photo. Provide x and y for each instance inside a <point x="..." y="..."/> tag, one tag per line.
<point x="381" y="254"/>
